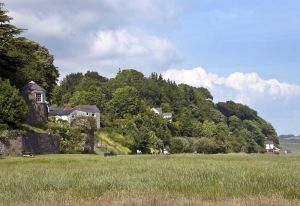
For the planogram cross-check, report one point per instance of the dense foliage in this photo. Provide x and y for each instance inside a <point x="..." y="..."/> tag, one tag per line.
<point x="198" y="125"/>
<point x="13" y="108"/>
<point x="71" y="139"/>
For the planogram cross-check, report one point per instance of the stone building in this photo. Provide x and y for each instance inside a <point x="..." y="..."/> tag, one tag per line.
<point x="69" y="114"/>
<point x="35" y="98"/>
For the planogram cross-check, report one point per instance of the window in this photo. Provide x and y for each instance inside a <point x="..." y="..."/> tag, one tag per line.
<point x="87" y="114"/>
<point x="93" y="114"/>
<point x="38" y="97"/>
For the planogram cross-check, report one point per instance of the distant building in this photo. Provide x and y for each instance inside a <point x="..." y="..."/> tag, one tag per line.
<point x="271" y="148"/>
<point x="69" y="114"/>
<point x="269" y="144"/>
<point x="35" y="98"/>
<point x="158" y="111"/>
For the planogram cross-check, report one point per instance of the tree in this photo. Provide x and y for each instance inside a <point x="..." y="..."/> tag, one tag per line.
<point x="125" y="101"/>
<point x="13" y="108"/>
<point x="7" y="31"/>
<point x="205" y="145"/>
<point x="88" y="126"/>
<point x="9" y="61"/>
<point x="71" y="140"/>
<point x="179" y="145"/>
<point x="70" y="82"/>
<point x="88" y="97"/>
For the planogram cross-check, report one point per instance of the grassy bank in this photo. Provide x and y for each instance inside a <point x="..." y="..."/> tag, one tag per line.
<point x="150" y="180"/>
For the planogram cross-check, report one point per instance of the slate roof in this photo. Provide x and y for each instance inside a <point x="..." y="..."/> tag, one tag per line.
<point x="269" y="142"/>
<point x="87" y="108"/>
<point x="68" y="111"/>
<point x="53" y="111"/>
<point x="32" y="86"/>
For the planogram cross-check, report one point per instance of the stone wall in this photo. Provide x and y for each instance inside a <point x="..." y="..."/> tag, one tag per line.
<point x="36" y="143"/>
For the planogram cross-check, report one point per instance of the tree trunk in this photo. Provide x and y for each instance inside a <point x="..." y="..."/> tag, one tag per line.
<point x="89" y="142"/>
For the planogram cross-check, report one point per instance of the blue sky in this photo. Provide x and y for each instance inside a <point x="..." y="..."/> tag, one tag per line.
<point x="245" y="50"/>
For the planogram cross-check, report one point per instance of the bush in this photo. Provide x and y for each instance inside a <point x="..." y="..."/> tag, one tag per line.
<point x="71" y="140"/>
<point x="179" y="145"/>
<point x="205" y="145"/>
<point x="13" y="108"/>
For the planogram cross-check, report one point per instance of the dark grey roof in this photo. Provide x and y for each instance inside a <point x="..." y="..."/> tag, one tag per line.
<point x="269" y="142"/>
<point x="53" y="111"/>
<point x="64" y="112"/>
<point x="87" y="108"/>
<point x="32" y="86"/>
<point x="68" y="111"/>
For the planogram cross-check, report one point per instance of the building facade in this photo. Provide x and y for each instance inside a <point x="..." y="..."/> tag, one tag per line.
<point x="35" y="98"/>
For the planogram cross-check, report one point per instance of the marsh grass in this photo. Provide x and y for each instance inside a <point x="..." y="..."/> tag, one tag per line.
<point x="150" y="180"/>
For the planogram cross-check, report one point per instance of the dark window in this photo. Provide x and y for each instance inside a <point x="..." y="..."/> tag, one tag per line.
<point x="38" y="97"/>
<point x="93" y="114"/>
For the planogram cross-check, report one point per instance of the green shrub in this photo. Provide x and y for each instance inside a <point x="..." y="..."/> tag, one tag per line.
<point x="71" y="140"/>
<point x="13" y="108"/>
<point x="205" y="145"/>
<point x="179" y="145"/>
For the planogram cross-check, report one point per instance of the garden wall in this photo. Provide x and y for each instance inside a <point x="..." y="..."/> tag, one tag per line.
<point x="37" y="143"/>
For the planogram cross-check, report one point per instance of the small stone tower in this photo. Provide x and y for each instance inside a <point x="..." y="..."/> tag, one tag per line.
<point x="35" y="98"/>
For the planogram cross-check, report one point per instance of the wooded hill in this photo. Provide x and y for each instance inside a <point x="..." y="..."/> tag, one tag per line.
<point x="198" y="124"/>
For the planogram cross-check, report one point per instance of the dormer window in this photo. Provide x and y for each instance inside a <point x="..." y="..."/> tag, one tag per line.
<point x="38" y="97"/>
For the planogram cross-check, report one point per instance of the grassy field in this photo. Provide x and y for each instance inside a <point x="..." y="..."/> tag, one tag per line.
<point x="233" y="179"/>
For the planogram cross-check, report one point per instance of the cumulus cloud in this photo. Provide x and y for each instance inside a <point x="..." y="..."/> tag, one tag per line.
<point x="102" y="35"/>
<point x="41" y="25"/>
<point x="246" y="88"/>
<point x="112" y="44"/>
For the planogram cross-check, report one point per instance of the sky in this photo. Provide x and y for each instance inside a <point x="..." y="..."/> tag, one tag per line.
<point x="242" y="50"/>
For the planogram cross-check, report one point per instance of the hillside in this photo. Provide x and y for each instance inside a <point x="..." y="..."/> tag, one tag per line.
<point x="197" y="124"/>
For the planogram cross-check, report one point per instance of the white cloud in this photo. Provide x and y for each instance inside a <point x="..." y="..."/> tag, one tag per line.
<point x="246" y="88"/>
<point x="40" y="25"/>
<point x="133" y="49"/>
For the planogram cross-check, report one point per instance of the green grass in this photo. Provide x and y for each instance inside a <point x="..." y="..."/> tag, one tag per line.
<point x="233" y="179"/>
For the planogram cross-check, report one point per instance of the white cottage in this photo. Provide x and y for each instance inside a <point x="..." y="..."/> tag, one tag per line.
<point x="269" y="145"/>
<point x="159" y="111"/>
<point x="68" y="114"/>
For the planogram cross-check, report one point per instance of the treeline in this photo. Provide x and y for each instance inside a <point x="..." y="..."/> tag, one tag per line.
<point x="198" y="124"/>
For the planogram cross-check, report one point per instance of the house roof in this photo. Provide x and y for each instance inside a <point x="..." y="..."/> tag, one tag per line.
<point x="158" y="109"/>
<point x="87" y="108"/>
<point x="68" y="111"/>
<point x="167" y="114"/>
<point x="32" y="86"/>
<point x="53" y="111"/>
<point x="269" y="142"/>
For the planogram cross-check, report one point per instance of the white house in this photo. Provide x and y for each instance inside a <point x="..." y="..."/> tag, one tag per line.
<point x="269" y="145"/>
<point x="68" y="114"/>
<point x="158" y="111"/>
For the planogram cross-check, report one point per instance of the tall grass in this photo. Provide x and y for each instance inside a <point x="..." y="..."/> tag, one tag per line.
<point x="90" y="179"/>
